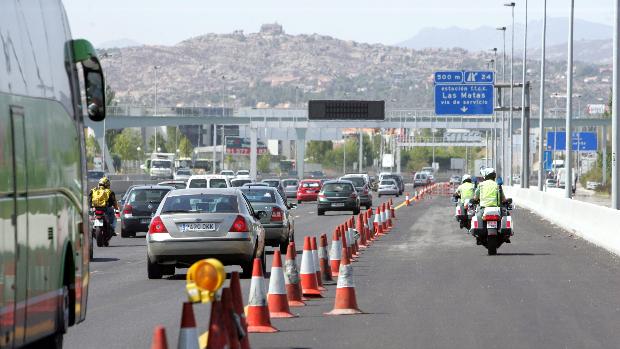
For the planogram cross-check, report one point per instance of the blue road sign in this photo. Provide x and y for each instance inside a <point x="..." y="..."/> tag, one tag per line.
<point x="464" y="92"/>
<point x="548" y="160"/>
<point x="582" y="141"/>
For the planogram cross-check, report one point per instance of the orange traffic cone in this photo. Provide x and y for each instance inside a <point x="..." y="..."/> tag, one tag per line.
<point x="309" y="283"/>
<point x="188" y="335"/>
<point x="229" y="318"/>
<point x="218" y="335"/>
<point x="159" y="338"/>
<point x="356" y="247"/>
<point x="383" y="219"/>
<point x="334" y="252"/>
<point x="367" y="227"/>
<point x="291" y="278"/>
<point x="258" y="312"/>
<point x="392" y="210"/>
<point x="316" y="263"/>
<point x="235" y="289"/>
<point x="276" y="297"/>
<point x="359" y="226"/>
<point x="326" y="270"/>
<point x="346" y="302"/>
<point x="378" y="225"/>
<point x="345" y="242"/>
<point x="407" y="202"/>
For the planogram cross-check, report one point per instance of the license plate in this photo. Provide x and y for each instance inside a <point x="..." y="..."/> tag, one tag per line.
<point x="338" y="204"/>
<point x="97" y="223"/>
<point x="492" y="224"/>
<point x="145" y="220"/>
<point x="189" y="227"/>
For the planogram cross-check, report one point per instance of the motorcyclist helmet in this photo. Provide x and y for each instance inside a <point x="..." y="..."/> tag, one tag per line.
<point x="104" y="182"/>
<point x="466" y="178"/>
<point x="489" y="173"/>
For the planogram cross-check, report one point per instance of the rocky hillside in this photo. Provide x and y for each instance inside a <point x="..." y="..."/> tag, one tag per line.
<point x="276" y="69"/>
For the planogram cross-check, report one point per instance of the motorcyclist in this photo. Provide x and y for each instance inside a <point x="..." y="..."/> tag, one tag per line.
<point x="465" y="191"/>
<point x="488" y="193"/>
<point x="111" y="204"/>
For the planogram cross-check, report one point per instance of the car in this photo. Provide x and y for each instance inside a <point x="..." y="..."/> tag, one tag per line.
<point x="431" y="179"/>
<point x="308" y="190"/>
<point x="208" y="181"/>
<point x="316" y="174"/>
<point x="592" y="185"/>
<point x="243" y="174"/>
<point x="182" y="174"/>
<point x="362" y="187"/>
<point x="290" y="187"/>
<point x="551" y="183"/>
<point x="126" y="193"/>
<point x="455" y="180"/>
<point x="198" y="223"/>
<point x="420" y="179"/>
<point x="338" y="196"/>
<point x="388" y="186"/>
<point x="278" y="223"/>
<point x="138" y="208"/>
<point x="238" y="182"/>
<point x="275" y="183"/>
<point x="255" y="184"/>
<point x="399" y="180"/>
<point x="229" y="173"/>
<point x="177" y="184"/>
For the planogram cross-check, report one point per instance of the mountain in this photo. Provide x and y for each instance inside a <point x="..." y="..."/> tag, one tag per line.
<point x="485" y="37"/>
<point x="277" y="69"/>
<point x="120" y="43"/>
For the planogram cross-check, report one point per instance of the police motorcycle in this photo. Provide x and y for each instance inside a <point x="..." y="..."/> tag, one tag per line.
<point x="492" y="226"/>
<point x="464" y="211"/>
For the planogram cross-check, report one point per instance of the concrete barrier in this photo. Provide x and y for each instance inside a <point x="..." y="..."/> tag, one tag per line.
<point x="597" y="224"/>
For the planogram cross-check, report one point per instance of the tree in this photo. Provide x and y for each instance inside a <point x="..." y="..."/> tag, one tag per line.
<point x="92" y="149"/>
<point x="126" y="144"/>
<point x="185" y="147"/>
<point x="161" y="144"/>
<point x="263" y="163"/>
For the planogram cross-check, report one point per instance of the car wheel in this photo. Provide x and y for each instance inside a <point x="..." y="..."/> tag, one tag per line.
<point x="125" y="234"/>
<point x="356" y="211"/>
<point x="320" y="212"/>
<point x="168" y="270"/>
<point x="154" y="270"/>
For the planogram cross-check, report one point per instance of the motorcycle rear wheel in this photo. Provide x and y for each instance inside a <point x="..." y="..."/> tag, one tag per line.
<point x="492" y="244"/>
<point x="99" y="236"/>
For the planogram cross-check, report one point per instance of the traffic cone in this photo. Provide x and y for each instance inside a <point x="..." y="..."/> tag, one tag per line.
<point x="316" y="263"/>
<point x="159" y="338"/>
<point x="392" y="210"/>
<point x="326" y="270"/>
<point x="334" y="252"/>
<point x="356" y="247"/>
<point x="188" y="335"/>
<point x="218" y="335"/>
<point x="309" y="283"/>
<point x="258" y="312"/>
<point x="344" y="238"/>
<point x="378" y="225"/>
<point x="369" y="237"/>
<point x="235" y="289"/>
<point x="351" y="239"/>
<point x="345" y="303"/>
<point x="291" y="278"/>
<point x="276" y="297"/>
<point x="359" y="225"/>
<point x="229" y="319"/>
<point x="384" y="222"/>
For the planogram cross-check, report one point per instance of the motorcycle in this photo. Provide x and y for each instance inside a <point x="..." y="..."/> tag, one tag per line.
<point x="463" y="212"/>
<point x="101" y="228"/>
<point x="493" y="227"/>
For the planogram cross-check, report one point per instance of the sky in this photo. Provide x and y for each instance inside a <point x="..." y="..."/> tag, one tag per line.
<point x="166" y="22"/>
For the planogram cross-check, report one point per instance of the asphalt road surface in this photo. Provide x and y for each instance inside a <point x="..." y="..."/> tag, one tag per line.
<point x="424" y="285"/>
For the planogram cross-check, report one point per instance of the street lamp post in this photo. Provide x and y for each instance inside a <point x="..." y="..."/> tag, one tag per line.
<point x="525" y="156"/>
<point x="512" y="82"/>
<point x="569" y="104"/>
<point x="541" y="125"/>
<point x="503" y="114"/>
<point x="155" y="68"/>
<point x="615" y="113"/>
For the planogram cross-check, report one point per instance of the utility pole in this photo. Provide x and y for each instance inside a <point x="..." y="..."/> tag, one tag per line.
<point x="512" y="82"/>
<point x="502" y="163"/>
<point x="361" y="152"/>
<point x="615" y="113"/>
<point x="569" y="104"/>
<point x="525" y="157"/>
<point x="155" y="68"/>
<point x="541" y="115"/>
<point x="214" y="154"/>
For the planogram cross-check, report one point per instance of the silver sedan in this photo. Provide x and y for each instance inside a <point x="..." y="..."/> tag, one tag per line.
<point x="192" y="224"/>
<point x="388" y="187"/>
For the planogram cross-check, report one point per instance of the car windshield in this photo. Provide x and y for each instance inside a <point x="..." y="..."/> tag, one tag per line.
<point x="259" y="195"/>
<point x="218" y="183"/>
<point x="183" y="172"/>
<point x="357" y="181"/>
<point x="394" y="177"/>
<point x="239" y="182"/>
<point x="95" y="174"/>
<point x="337" y="188"/>
<point x="227" y="173"/>
<point x="147" y="195"/>
<point x="243" y="173"/>
<point x="204" y="203"/>
<point x="289" y="183"/>
<point x="272" y="183"/>
<point x="310" y="184"/>
<point x="161" y="164"/>
<point x="386" y="182"/>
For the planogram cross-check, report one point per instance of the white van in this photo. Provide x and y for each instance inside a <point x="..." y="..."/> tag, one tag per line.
<point x="208" y="181"/>
<point x="161" y="169"/>
<point x="420" y="179"/>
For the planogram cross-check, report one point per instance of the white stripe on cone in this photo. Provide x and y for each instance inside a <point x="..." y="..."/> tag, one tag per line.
<point x="336" y="250"/>
<point x="322" y="253"/>
<point x="307" y="263"/>
<point x="291" y="276"/>
<point x="276" y="281"/>
<point x="257" y="292"/>
<point x="345" y="276"/>
<point x="315" y="261"/>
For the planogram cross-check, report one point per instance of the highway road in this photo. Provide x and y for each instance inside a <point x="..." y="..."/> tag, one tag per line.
<point x="424" y="285"/>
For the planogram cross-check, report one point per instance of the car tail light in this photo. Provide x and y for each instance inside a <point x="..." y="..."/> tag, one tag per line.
<point x="127" y="210"/>
<point x="276" y="214"/>
<point x="508" y="222"/>
<point x="99" y="212"/>
<point x="491" y="217"/>
<point x="239" y="225"/>
<point x="157" y="226"/>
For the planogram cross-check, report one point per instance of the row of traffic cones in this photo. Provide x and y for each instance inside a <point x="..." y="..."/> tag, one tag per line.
<point x="288" y="286"/>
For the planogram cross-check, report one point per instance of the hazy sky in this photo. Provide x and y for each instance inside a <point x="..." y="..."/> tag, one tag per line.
<point x="385" y="21"/>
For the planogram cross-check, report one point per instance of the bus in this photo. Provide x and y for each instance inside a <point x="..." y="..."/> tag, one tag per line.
<point x="48" y="81"/>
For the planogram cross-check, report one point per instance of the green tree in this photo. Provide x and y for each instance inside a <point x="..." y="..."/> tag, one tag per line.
<point x="185" y="147"/>
<point x="126" y="144"/>
<point x="263" y="163"/>
<point x="92" y="149"/>
<point x="161" y="144"/>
